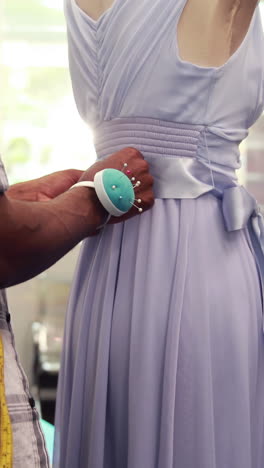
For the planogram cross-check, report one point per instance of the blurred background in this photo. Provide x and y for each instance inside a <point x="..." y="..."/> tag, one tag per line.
<point x="40" y="132"/>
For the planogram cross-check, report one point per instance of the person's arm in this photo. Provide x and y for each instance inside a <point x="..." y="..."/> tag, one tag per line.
<point x="45" y="188"/>
<point x="34" y="235"/>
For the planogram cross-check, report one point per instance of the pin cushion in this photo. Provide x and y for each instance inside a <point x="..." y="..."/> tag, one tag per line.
<point x="115" y="191"/>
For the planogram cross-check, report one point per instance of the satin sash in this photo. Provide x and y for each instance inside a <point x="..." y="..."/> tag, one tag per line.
<point x="185" y="166"/>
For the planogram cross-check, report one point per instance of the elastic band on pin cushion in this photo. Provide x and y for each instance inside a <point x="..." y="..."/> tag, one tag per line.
<point x="115" y="190"/>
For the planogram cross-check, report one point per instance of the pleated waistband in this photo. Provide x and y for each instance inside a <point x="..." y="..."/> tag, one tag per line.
<point x="182" y="165"/>
<point x="178" y="154"/>
<point x="154" y="138"/>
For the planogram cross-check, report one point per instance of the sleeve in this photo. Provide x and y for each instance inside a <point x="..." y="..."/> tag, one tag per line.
<point x="3" y="178"/>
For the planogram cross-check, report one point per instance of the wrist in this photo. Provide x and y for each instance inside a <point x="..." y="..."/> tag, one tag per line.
<point x="88" y="213"/>
<point x="96" y="213"/>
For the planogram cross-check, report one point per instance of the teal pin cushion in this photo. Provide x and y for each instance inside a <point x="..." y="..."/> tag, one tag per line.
<point x="115" y="191"/>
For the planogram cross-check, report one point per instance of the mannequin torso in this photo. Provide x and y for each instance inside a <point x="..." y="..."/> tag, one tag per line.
<point x="209" y="31"/>
<point x="163" y="346"/>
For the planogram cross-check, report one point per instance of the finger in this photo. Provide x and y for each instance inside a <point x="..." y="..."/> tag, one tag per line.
<point x="146" y="184"/>
<point x="74" y="174"/>
<point x="133" y="159"/>
<point x="131" y="153"/>
<point x="138" y="166"/>
<point x="148" y="199"/>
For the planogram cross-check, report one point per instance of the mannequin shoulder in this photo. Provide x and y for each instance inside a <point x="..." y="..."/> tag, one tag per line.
<point x="95" y="8"/>
<point x="240" y="3"/>
<point x="241" y="13"/>
<point x="210" y="31"/>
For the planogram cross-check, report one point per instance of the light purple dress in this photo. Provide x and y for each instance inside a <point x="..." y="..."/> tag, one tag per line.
<point x="163" y="361"/>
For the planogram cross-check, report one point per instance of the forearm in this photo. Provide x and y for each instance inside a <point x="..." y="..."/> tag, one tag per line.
<point x="33" y="236"/>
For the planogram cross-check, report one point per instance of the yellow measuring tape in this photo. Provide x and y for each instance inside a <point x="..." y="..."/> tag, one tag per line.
<point x="6" y="440"/>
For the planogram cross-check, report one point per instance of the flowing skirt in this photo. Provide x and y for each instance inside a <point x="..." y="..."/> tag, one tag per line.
<point x="163" y="361"/>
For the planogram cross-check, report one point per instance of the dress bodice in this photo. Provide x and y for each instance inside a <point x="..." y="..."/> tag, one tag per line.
<point x="127" y="64"/>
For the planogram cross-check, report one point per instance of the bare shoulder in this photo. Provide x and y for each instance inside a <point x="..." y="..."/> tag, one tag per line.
<point x="95" y="8"/>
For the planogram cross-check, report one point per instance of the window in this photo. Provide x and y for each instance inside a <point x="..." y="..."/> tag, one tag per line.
<point x="40" y="129"/>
